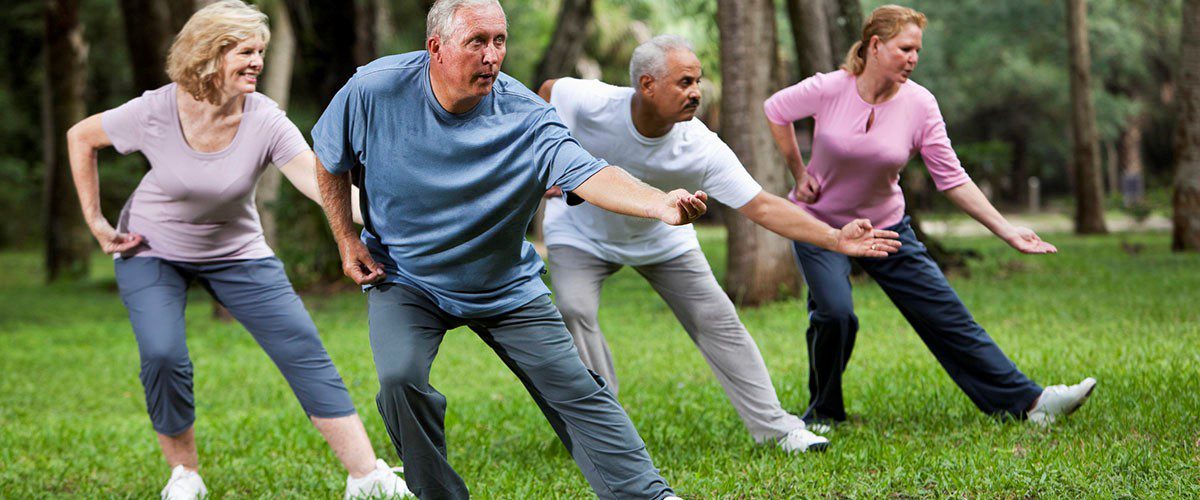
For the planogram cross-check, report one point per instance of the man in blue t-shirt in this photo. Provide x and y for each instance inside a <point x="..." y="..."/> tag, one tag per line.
<point x="452" y="157"/>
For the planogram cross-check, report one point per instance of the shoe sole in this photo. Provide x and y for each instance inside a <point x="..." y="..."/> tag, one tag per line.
<point x="818" y="447"/>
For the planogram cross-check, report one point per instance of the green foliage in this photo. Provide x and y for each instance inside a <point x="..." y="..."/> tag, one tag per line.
<point x="73" y="422"/>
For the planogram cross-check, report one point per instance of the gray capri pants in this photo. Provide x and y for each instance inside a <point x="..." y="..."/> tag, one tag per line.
<point x="258" y="294"/>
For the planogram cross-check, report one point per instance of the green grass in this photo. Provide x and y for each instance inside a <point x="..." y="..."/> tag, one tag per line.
<point x="72" y="419"/>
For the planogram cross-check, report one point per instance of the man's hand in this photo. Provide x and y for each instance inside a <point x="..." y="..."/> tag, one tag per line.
<point x="358" y="264"/>
<point x="553" y="192"/>
<point x="807" y="189"/>
<point x="113" y="242"/>
<point x="858" y="239"/>
<point x="1026" y="241"/>
<point x="681" y="207"/>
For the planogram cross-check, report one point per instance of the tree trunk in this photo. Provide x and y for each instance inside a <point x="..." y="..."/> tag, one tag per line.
<point x="566" y="45"/>
<point x="559" y="60"/>
<point x="277" y="84"/>
<point x="68" y="243"/>
<point x="178" y="13"/>
<point x="811" y="31"/>
<point x="332" y="41"/>
<point x="1186" y="234"/>
<point x="846" y="24"/>
<point x="148" y="36"/>
<point x="1089" y="192"/>
<point x="760" y="262"/>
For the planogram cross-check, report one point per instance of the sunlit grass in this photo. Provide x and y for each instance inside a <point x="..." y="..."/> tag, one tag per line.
<point x="72" y="419"/>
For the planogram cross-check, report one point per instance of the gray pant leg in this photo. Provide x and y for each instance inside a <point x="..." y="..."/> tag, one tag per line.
<point x="577" y="277"/>
<point x="687" y="284"/>
<point x="535" y="344"/>
<point x="406" y="330"/>
<point x="155" y="293"/>
<point x="258" y="294"/>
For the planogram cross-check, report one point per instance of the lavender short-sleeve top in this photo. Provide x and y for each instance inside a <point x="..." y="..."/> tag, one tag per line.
<point x="193" y="206"/>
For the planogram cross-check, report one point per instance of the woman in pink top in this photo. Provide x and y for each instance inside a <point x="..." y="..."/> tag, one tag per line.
<point x="209" y="136"/>
<point x="870" y="121"/>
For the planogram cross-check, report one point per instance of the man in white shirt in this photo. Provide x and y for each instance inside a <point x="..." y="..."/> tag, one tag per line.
<point x="652" y="132"/>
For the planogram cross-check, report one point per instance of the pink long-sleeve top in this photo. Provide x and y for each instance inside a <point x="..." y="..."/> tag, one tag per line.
<point x="859" y="169"/>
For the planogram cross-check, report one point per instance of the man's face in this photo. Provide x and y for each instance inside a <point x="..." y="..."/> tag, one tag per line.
<point x="676" y="95"/>
<point x="471" y="55"/>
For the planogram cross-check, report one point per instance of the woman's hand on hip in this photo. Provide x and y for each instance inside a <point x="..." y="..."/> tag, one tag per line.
<point x="112" y="241"/>
<point x="807" y="189"/>
<point x="1026" y="241"/>
<point x="859" y="239"/>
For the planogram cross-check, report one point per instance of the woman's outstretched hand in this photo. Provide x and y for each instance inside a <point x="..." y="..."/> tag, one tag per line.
<point x="1026" y="241"/>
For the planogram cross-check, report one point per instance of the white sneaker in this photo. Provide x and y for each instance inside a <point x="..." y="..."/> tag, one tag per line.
<point x="818" y="427"/>
<point x="801" y="440"/>
<point x="185" y="484"/>
<point x="379" y="483"/>
<point x="1060" y="400"/>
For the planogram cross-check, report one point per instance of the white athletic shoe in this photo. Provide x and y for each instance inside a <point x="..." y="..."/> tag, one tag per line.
<point x="184" y="485"/>
<point x="801" y="440"/>
<point x="1060" y="401"/>
<point x="379" y="483"/>
<point x="818" y="427"/>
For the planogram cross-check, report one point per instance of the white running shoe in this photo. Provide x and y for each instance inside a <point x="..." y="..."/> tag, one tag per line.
<point x="801" y="440"/>
<point x="1060" y="401"/>
<point x="185" y="484"/>
<point x="379" y="483"/>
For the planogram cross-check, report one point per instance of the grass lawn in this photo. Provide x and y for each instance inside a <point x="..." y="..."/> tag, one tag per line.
<point x="73" y="422"/>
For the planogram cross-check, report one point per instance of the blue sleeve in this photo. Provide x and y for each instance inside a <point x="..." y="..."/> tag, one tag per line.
<point x="339" y="137"/>
<point x="560" y="156"/>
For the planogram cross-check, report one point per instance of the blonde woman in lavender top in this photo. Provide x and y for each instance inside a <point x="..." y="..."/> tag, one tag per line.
<point x="870" y="121"/>
<point x="209" y="136"/>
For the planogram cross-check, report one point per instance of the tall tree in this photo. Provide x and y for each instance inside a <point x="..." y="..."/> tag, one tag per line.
<point x="811" y="31"/>
<point x="1085" y="150"/>
<point x="559" y="60"/>
<point x="760" y="262"/>
<point x="566" y="45"/>
<point x="277" y="84"/>
<point x="179" y="11"/>
<point x="846" y="23"/>
<point x="68" y="242"/>
<point x="1186" y="234"/>
<point x="148" y="34"/>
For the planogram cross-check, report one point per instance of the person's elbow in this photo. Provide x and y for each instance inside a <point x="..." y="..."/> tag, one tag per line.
<point x="547" y="89"/>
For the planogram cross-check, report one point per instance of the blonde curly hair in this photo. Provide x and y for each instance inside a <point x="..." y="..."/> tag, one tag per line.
<point x="194" y="61"/>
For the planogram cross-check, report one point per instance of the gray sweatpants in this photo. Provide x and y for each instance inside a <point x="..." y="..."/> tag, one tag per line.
<point x="687" y="284"/>
<point x="406" y="330"/>
<point x="256" y="292"/>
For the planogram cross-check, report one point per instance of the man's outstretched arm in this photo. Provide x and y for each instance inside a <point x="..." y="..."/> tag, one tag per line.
<point x="613" y="189"/>
<point x="335" y="196"/>
<point x="857" y="239"/>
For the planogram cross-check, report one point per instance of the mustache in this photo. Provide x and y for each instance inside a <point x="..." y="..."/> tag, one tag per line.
<point x="692" y="103"/>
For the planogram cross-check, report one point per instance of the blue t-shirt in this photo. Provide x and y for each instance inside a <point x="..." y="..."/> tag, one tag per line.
<point x="448" y="197"/>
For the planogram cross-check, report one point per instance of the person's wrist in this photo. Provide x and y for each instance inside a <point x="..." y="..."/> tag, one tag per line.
<point x="833" y="237"/>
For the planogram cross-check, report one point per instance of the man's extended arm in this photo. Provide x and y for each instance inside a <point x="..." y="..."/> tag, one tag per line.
<point x="857" y="239"/>
<point x="613" y="189"/>
<point x="335" y="196"/>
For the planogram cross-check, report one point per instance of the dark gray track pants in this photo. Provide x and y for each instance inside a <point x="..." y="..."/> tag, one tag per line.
<point x="406" y="330"/>
<point x="256" y="292"/>
<point x="918" y="288"/>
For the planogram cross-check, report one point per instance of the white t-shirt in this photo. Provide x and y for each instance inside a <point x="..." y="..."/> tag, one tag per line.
<point x="690" y="157"/>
